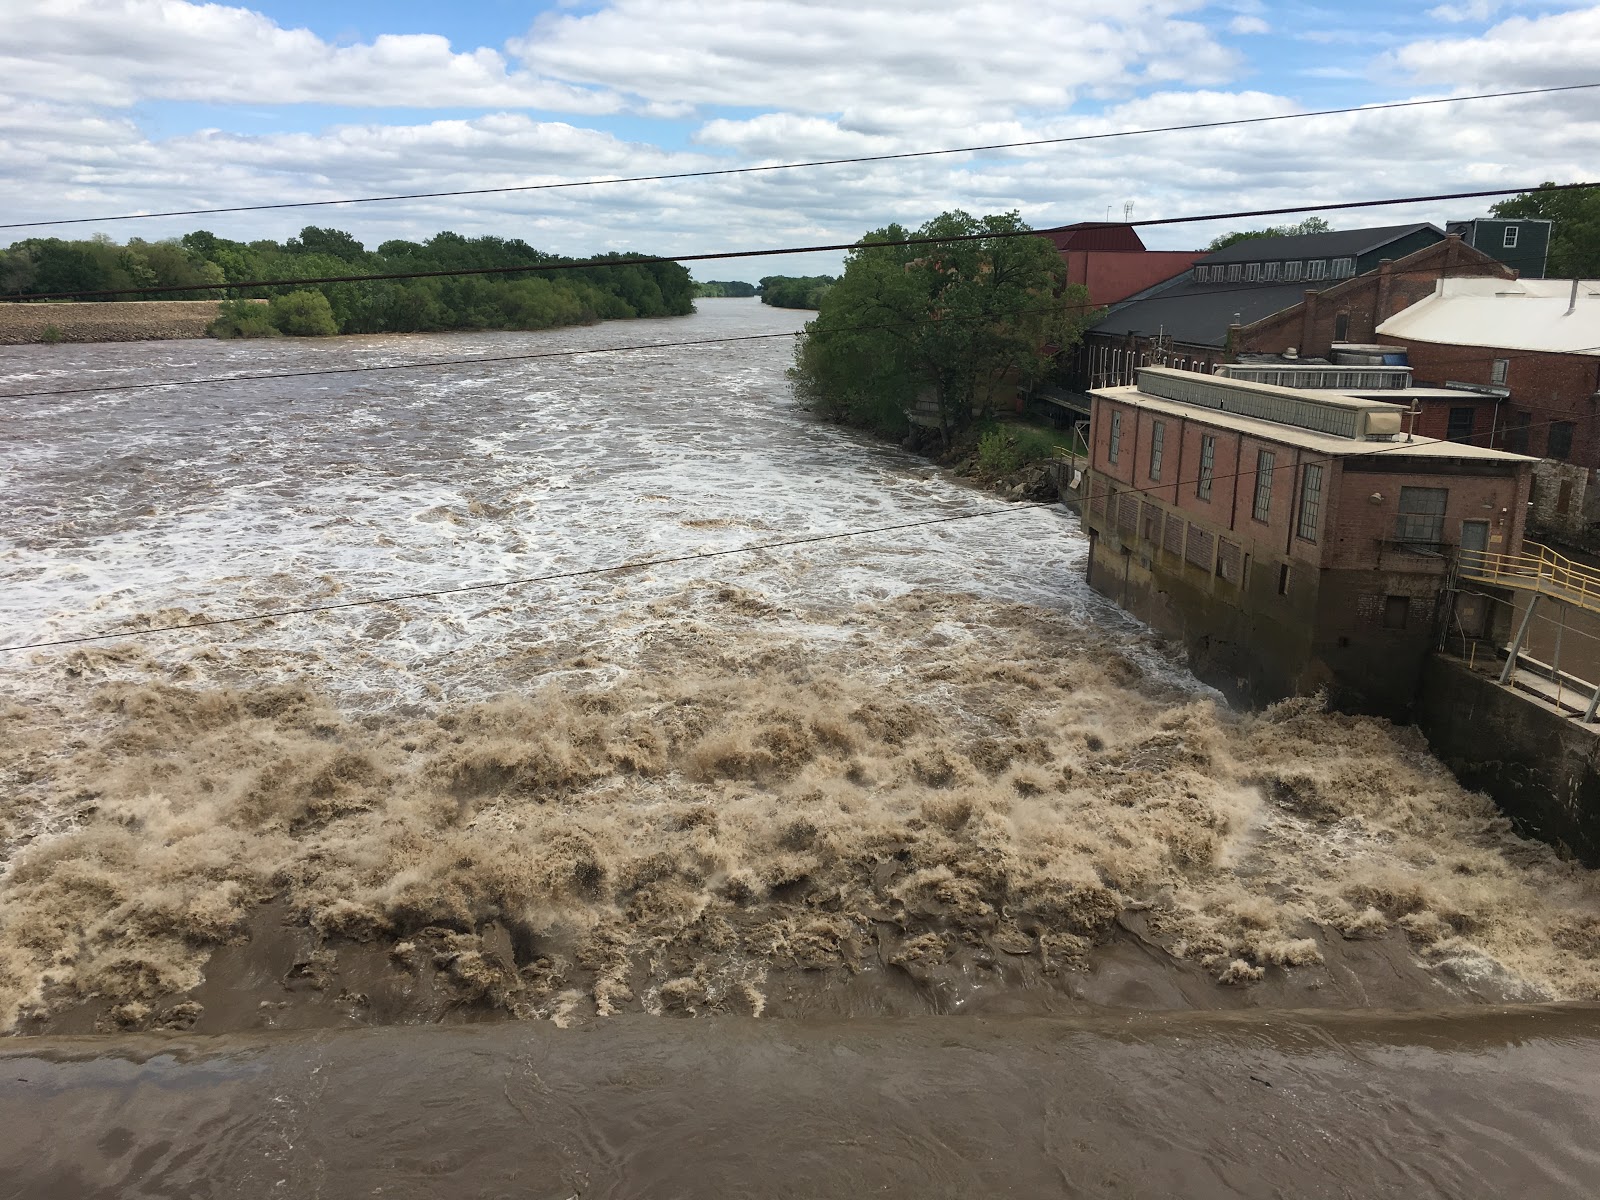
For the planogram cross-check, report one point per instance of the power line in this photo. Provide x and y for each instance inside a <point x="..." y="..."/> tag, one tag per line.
<point x="653" y="260"/>
<point x="826" y="162"/>
<point x="662" y="561"/>
<point x="531" y="579"/>
<point x="573" y="353"/>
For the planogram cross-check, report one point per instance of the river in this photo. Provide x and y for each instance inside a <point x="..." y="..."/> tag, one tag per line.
<point x="901" y="788"/>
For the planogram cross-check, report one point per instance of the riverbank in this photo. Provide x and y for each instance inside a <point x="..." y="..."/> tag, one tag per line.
<point x="112" y="321"/>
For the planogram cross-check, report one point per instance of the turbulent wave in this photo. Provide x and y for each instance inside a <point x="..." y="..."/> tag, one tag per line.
<point x="910" y="784"/>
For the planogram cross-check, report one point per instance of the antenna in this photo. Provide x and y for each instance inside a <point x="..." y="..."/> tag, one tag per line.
<point x="1127" y="210"/>
<point x="1108" y="214"/>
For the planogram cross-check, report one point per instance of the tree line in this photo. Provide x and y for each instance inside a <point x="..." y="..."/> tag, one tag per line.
<point x="38" y="266"/>
<point x="945" y="331"/>
<point x="795" y="291"/>
<point x="713" y="289"/>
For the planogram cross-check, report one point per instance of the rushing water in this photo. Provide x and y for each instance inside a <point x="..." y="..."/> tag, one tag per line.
<point x="923" y="771"/>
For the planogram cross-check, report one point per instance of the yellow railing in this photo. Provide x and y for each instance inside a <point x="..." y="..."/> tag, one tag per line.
<point x="1537" y="569"/>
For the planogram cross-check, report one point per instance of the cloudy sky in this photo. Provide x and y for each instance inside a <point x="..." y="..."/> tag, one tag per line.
<point x="112" y="106"/>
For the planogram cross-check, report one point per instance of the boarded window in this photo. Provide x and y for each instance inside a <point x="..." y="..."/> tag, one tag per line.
<point x="1158" y="441"/>
<point x="1208" y="461"/>
<point x="1128" y="516"/>
<point x="1097" y="496"/>
<point x="1421" y="515"/>
<point x="1199" y="548"/>
<point x="1517" y="435"/>
<point x="1172" y="535"/>
<point x="1564" y="498"/>
<point x="1341" y="327"/>
<point x="1116" y="436"/>
<point x="1228" y="560"/>
<point x="1264" y="466"/>
<point x="1459" y="428"/>
<point x="1560" y="442"/>
<point x="1396" y="611"/>
<point x="1310" y="501"/>
<point x="1152" y="524"/>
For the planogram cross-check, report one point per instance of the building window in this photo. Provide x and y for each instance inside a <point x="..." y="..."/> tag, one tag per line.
<point x="1208" y="459"/>
<point x="1509" y="241"/>
<point x="1158" y="439"/>
<point x="1341" y="327"/>
<point x="1116" y="437"/>
<point x="1316" y="268"/>
<point x="1459" y="428"/>
<point x="1396" y="611"/>
<point x="1264" y="461"/>
<point x="1291" y="271"/>
<point x="1310" y="501"/>
<point x="1517" y="434"/>
<point x="1252" y="272"/>
<point x="1235" y="272"/>
<point x="1560" y="443"/>
<point x="1498" y="372"/>
<point x="1269" y="271"/>
<point x="1421" y="515"/>
<point x="1344" y="268"/>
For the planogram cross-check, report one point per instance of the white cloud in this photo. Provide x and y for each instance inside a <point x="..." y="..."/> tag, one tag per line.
<point x="118" y="52"/>
<point x="1472" y="10"/>
<point x="881" y="66"/>
<point x="1560" y="48"/>
<point x="1248" y="25"/>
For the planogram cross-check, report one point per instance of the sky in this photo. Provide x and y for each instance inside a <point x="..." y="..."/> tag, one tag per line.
<point x="126" y="106"/>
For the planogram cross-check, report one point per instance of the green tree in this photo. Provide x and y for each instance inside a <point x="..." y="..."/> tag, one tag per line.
<point x="1575" y="236"/>
<point x="952" y="324"/>
<point x="795" y="291"/>
<point x="302" y="314"/>
<point x="242" y="319"/>
<point x="1309" y="225"/>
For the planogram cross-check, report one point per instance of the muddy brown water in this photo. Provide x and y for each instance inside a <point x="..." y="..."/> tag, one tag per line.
<point x="426" y="887"/>
<point x="1485" y="1104"/>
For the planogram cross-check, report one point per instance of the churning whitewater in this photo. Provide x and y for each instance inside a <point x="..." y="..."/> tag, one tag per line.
<point x="925" y="770"/>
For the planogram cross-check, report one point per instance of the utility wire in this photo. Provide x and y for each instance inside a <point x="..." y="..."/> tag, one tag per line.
<point x="636" y="565"/>
<point x="826" y="162"/>
<point x="1235" y="290"/>
<point x="652" y="260"/>
<point x="640" y="564"/>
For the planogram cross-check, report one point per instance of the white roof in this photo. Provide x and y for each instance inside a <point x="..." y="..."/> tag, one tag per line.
<point x="1510" y="314"/>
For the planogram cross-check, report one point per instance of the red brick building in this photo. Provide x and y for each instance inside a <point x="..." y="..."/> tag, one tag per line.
<point x="1112" y="262"/>
<point x="1519" y="365"/>
<point x="1352" y="311"/>
<point x="1292" y="540"/>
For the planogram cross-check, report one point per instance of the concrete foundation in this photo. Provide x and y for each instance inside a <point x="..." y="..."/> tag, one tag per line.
<point x="1539" y="765"/>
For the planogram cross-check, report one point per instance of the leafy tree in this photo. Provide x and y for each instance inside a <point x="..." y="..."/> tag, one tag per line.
<point x="1309" y="225"/>
<point x="303" y="314"/>
<point x="954" y="324"/>
<point x="242" y="319"/>
<point x="795" y="291"/>
<point x="714" y="288"/>
<point x="1575" y="236"/>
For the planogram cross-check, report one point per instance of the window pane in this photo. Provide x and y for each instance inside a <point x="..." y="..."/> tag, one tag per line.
<point x="1116" y="436"/>
<point x="1560" y="445"/>
<point x="1208" y="455"/>
<point x="1460" y="426"/>
<point x="1421" y="515"/>
<point x="1158" y="439"/>
<point x="1264" y="462"/>
<point x="1310" y="502"/>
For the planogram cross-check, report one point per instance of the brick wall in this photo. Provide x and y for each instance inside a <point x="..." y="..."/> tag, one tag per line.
<point x="1365" y="302"/>
<point x="1355" y="543"/>
<point x="1544" y="388"/>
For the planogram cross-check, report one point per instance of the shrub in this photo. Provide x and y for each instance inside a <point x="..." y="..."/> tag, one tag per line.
<point x="50" y="334"/>
<point x="303" y="314"/>
<point x="242" y="319"/>
<point x="997" y="454"/>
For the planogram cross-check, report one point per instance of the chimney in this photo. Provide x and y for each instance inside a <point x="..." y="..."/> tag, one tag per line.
<point x="1572" y="301"/>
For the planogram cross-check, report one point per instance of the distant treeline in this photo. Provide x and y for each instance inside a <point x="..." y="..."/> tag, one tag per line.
<point x="714" y="289"/>
<point x="536" y="301"/>
<point x="795" y="291"/>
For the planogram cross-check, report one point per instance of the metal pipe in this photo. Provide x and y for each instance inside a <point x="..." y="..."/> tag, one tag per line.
<point x="1515" y="648"/>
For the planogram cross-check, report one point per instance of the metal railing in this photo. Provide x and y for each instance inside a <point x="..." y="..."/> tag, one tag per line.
<point x="1537" y="569"/>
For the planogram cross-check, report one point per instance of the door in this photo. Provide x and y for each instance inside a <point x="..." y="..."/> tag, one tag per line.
<point x="1474" y="541"/>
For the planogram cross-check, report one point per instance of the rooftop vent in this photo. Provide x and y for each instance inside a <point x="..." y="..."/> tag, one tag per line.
<point x="1340" y="416"/>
